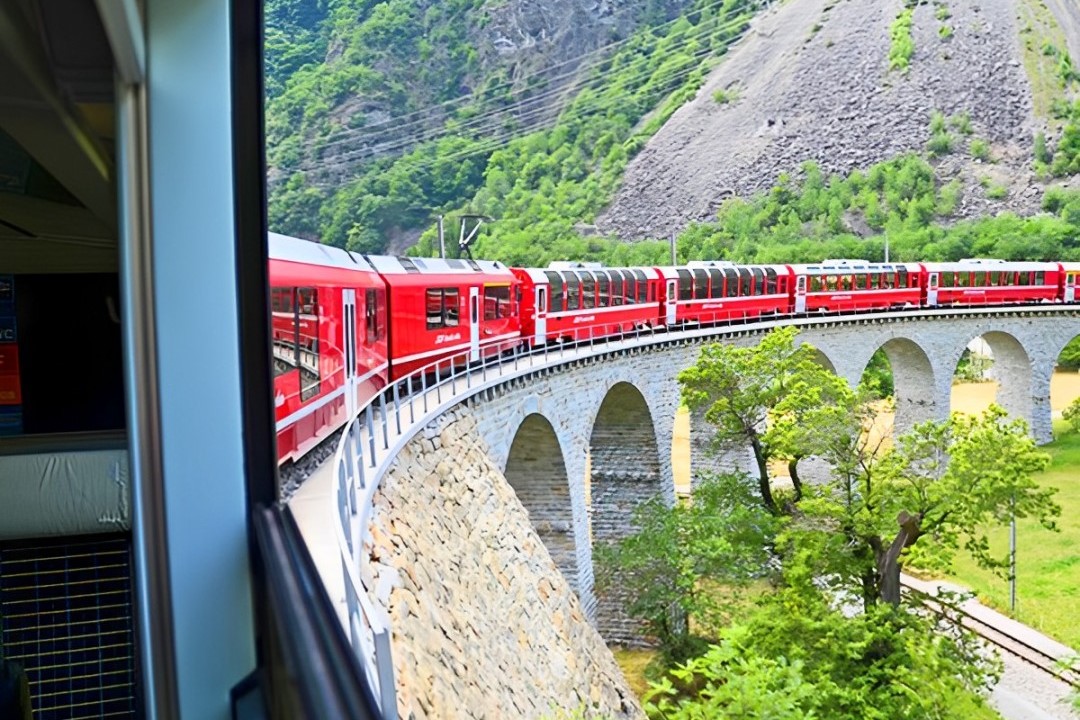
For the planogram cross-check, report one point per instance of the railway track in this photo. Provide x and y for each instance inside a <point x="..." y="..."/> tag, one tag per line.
<point x="1025" y="651"/>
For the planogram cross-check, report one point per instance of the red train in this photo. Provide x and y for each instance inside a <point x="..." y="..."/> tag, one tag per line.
<point x="345" y="325"/>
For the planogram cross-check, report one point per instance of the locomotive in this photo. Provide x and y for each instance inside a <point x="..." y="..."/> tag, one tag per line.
<point x="345" y="325"/>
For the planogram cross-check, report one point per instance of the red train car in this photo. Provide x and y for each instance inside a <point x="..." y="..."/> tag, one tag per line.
<point x="991" y="282"/>
<point x="445" y="307"/>
<point x="1069" y="280"/>
<point x="847" y="285"/>
<point x="329" y="328"/>
<point x="578" y="301"/>
<point x="719" y="291"/>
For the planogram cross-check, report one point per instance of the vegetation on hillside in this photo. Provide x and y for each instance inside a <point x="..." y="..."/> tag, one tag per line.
<point x="401" y="122"/>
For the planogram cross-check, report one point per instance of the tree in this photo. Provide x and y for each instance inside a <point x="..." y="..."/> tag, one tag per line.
<point x="738" y="387"/>
<point x="673" y="564"/>
<point x="1071" y="415"/>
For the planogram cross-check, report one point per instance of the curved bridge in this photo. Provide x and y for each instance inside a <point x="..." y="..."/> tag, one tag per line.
<point x="541" y="420"/>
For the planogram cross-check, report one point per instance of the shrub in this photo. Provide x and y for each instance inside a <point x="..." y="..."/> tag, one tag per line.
<point x="937" y="122"/>
<point x="902" y="46"/>
<point x="980" y="149"/>
<point x="941" y="143"/>
<point x="1042" y="152"/>
<point x="945" y="32"/>
<point x="962" y="123"/>
<point x="1071" y="415"/>
<point x="997" y="192"/>
<point x="725" y="97"/>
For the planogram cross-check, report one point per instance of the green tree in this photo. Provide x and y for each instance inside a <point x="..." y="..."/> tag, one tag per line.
<point x="672" y="565"/>
<point x="1071" y="415"/>
<point x="738" y="387"/>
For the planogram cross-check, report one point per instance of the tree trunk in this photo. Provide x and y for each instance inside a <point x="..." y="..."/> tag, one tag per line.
<point x="793" y="471"/>
<point x="888" y="562"/>
<point x="763" y="475"/>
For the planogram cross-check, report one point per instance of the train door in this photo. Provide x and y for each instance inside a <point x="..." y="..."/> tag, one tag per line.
<point x="672" y="303"/>
<point x="931" y="289"/>
<point x="800" y="294"/>
<point x="1070" y="287"/>
<point x="541" y="314"/>
<point x="348" y="348"/>
<point x="474" y="324"/>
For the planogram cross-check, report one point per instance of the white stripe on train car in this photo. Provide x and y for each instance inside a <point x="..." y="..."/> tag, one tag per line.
<point x="309" y="409"/>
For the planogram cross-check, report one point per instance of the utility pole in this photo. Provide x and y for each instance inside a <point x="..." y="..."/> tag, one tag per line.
<point x="671" y="239"/>
<point x="442" y="239"/>
<point x="1012" y="560"/>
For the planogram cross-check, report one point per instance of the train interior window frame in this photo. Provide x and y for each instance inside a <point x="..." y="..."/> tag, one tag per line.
<point x="448" y="301"/>
<point x="309" y="387"/>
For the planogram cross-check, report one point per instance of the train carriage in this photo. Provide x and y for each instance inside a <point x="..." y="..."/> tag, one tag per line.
<point x="578" y="301"/>
<point x="445" y="307"/>
<point x="719" y="291"/>
<point x="850" y="285"/>
<point x="990" y="282"/>
<point x="1069" y="280"/>
<point x="329" y="334"/>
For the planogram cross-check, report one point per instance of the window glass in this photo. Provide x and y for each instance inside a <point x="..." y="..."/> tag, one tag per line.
<point x="603" y="289"/>
<point x="701" y="284"/>
<point x="731" y="282"/>
<point x="716" y="283"/>
<point x="642" y="286"/>
<point x="371" y="316"/>
<point x="1040" y="277"/>
<point x="285" y="329"/>
<point x="308" y="335"/>
<point x="441" y="306"/>
<point x="573" y="291"/>
<point x="555" y="284"/>
<point x="815" y="283"/>
<point x="496" y="302"/>
<point x="588" y="291"/>
<point x="770" y="281"/>
<point x="686" y="285"/>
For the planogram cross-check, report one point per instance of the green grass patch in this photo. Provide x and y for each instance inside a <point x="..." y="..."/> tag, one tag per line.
<point x="980" y="149"/>
<point x="725" y="96"/>
<point x="1047" y="563"/>
<point x="634" y="663"/>
<point x="902" y="45"/>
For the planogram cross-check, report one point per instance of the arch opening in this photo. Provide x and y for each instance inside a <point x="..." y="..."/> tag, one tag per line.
<point x="624" y="472"/>
<point x="536" y="471"/>
<point x="1065" y="385"/>
<point x="993" y="367"/>
<point x="901" y="369"/>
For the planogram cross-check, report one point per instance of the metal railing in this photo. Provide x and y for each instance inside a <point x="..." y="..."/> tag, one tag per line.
<point x="382" y="426"/>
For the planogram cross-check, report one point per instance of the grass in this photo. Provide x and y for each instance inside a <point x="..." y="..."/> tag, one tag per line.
<point x="980" y="149"/>
<point x="1048" y="563"/>
<point x="902" y="46"/>
<point x="633" y="663"/>
<point x="725" y="97"/>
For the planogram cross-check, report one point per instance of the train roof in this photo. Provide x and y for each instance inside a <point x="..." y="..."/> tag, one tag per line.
<point x="290" y="249"/>
<point x="973" y="264"/>
<point x="672" y="271"/>
<point x="827" y="267"/>
<point x="537" y="274"/>
<point x="397" y="265"/>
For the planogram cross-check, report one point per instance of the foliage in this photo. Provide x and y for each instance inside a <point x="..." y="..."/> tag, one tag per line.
<point x="940" y="143"/>
<point x="797" y="656"/>
<point x="878" y="377"/>
<point x="1071" y="415"/>
<point x="678" y="555"/>
<point x="902" y="45"/>
<point x="1069" y="359"/>
<point x="972" y="367"/>
<point x="980" y="149"/>
<point x="738" y="387"/>
<point x="725" y="97"/>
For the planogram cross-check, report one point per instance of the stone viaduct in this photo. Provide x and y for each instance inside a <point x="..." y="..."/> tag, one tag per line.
<point x="582" y="443"/>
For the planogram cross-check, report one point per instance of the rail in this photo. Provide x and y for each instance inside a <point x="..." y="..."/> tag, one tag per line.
<point x="384" y="424"/>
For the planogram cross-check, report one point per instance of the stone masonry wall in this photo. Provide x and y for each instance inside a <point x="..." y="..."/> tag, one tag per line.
<point x="484" y="625"/>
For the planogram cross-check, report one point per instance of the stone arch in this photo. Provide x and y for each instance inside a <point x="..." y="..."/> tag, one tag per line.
<point x="1012" y="370"/>
<point x="914" y="386"/>
<point x="536" y="471"/>
<point x="625" y="472"/>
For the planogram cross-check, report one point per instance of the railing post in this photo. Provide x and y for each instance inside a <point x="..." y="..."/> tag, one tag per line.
<point x="397" y="408"/>
<point x="385" y="668"/>
<point x="409" y="387"/>
<point x="342" y="503"/>
<point x="370" y="432"/>
<point x="382" y="412"/>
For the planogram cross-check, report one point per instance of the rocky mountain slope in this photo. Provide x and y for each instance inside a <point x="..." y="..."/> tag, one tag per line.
<point x="812" y="81"/>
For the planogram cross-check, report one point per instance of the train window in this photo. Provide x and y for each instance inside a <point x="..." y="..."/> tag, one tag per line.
<point x="716" y="283"/>
<point x="496" y="301"/>
<point x="1040" y="277"/>
<point x="701" y="284"/>
<point x="308" y="346"/>
<point x="979" y="279"/>
<point x="555" y="290"/>
<point x="371" y="316"/>
<point x="686" y="285"/>
<point x="731" y="282"/>
<point x="643" y="295"/>
<point x="995" y="278"/>
<point x="770" y="281"/>
<point x="573" y="291"/>
<point x="588" y="291"/>
<point x="758" y="276"/>
<point x="629" y="287"/>
<point x="441" y="306"/>
<point x="744" y="282"/>
<point x="603" y="289"/>
<point x="285" y="329"/>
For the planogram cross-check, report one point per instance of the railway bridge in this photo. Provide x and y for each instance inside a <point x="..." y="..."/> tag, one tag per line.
<point x="456" y="506"/>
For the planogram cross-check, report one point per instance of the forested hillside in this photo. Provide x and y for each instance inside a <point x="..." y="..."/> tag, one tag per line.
<point x="866" y="124"/>
<point x="381" y="115"/>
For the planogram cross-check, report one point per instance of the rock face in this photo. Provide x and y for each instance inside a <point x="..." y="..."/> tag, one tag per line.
<point x="484" y="624"/>
<point x="812" y="82"/>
